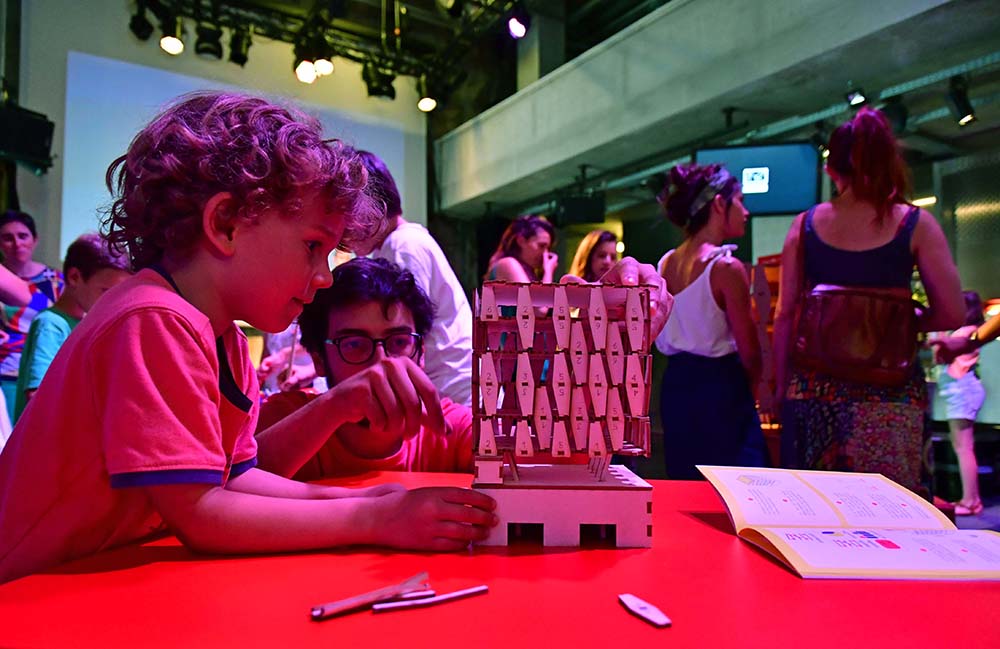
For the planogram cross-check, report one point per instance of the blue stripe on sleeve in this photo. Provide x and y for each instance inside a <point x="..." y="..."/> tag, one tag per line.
<point x="171" y="476"/>
<point x="240" y="468"/>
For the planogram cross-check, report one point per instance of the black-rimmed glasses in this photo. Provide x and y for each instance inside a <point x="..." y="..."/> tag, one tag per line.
<point x="356" y="349"/>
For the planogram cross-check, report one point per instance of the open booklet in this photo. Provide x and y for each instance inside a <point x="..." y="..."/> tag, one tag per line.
<point x="831" y="525"/>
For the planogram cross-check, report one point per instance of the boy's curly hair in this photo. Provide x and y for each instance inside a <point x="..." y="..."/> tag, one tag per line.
<point x="266" y="156"/>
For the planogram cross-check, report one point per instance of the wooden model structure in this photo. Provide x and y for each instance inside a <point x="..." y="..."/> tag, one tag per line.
<point x="563" y="391"/>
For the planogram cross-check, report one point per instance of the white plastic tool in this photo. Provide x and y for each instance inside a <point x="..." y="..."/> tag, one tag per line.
<point x="644" y="610"/>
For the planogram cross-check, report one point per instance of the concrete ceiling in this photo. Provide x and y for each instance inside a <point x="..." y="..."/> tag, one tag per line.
<point x="916" y="56"/>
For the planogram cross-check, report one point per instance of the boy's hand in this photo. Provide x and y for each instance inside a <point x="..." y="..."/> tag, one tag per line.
<point x="432" y="518"/>
<point x="365" y="492"/>
<point x="394" y="396"/>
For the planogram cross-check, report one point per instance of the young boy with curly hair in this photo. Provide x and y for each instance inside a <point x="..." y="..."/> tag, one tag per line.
<point x="229" y="207"/>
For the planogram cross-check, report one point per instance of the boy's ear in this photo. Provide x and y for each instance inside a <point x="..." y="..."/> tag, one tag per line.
<point x="219" y="222"/>
<point x="74" y="276"/>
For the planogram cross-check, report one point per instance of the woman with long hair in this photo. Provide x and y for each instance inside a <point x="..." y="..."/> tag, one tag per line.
<point x="868" y="236"/>
<point x="524" y="253"/>
<point x="596" y="255"/>
<point x="706" y="400"/>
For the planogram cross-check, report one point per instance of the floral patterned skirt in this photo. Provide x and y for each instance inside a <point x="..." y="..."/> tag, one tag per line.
<point x="836" y="425"/>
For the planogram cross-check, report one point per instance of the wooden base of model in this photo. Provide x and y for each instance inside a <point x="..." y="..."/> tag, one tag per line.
<point x="564" y="497"/>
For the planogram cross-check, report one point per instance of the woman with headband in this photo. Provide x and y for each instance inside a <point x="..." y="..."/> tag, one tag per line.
<point x="706" y="402"/>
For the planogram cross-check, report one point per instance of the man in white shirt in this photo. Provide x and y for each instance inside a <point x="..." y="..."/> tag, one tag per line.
<point x="448" y="345"/>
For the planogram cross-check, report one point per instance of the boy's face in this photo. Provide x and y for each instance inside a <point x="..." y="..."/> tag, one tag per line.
<point x="88" y="290"/>
<point x="354" y="327"/>
<point x="281" y="262"/>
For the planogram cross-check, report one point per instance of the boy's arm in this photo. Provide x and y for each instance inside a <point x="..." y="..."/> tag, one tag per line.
<point x="394" y="396"/>
<point x="263" y="483"/>
<point x="217" y="520"/>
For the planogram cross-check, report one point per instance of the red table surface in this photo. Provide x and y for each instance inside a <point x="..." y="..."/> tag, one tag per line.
<point x="718" y="590"/>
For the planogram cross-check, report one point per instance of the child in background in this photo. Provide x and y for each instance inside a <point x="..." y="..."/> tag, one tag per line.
<point x="963" y="396"/>
<point x="362" y="331"/>
<point x="90" y="269"/>
<point x="229" y="207"/>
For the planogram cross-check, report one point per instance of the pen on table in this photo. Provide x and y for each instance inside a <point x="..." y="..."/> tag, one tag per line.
<point x="429" y="601"/>
<point x="411" y="586"/>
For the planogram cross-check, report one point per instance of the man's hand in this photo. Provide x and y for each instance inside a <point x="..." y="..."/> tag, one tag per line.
<point x="394" y="397"/>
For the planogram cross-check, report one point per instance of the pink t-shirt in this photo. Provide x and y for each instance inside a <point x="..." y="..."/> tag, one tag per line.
<point x="427" y="451"/>
<point x="140" y="394"/>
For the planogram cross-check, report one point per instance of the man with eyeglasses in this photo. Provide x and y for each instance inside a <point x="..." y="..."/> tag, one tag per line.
<point x="381" y="413"/>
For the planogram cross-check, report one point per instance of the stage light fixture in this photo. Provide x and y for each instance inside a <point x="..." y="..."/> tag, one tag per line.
<point x="855" y="97"/>
<point x="897" y="114"/>
<point x="323" y="65"/>
<point x="958" y="101"/>
<point x="426" y="102"/>
<point x="139" y="24"/>
<point x="305" y="69"/>
<point x="209" y="41"/>
<point x="518" y="21"/>
<point x="379" y="81"/>
<point x="173" y="32"/>
<point x="239" y="46"/>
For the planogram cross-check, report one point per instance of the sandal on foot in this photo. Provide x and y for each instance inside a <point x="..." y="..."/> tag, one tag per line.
<point x="969" y="510"/>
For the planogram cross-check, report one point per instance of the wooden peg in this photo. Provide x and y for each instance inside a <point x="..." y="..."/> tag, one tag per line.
<point x="489" y="386"/>
<point x="634" y="319"/>
<point x="579" y="419"/>
<point x="615" y="354"/>
<point x="525" y="385"/>
<point x="560" y="440"/>
<point x="560" y="317"/>
<point x="561" y="384"/>
<point x="488" y="308"/>
<point x="525" y="317"/>
<point x="597" y="313"/>
<point x="522" y="439"/>
<point x="616" y="419"/>
<point x="543" y="417"/>
<point x="487" y="437"/>
<point x="635" y="386"/>
<point x="595" y="442"/>
<point x="579" y="354"/>
<point x="598" y="385"/>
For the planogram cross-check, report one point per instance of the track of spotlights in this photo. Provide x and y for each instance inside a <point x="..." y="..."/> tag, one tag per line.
<point x="209" y="42"/>
<point x="426" y="101"/>
<point x="378" y="81"/>
<point x="855" y="97"/>
<point x="958" y="101"/>
<point x="239" y="46"/>
<point x="173" y="30"/>
<point x="140" y="25"/>
<point x="518" y="22"/>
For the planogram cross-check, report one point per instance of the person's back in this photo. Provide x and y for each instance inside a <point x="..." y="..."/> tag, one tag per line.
<point x="867" y="237"/>
<point x="846" y="245"/>
<point x="448" y="345"/>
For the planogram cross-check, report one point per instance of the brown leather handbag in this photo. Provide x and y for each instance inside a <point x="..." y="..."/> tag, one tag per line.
<point x="856" y="333"/>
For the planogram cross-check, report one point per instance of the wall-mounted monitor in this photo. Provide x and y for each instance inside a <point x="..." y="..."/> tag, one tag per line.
<point x="776" y="178"/>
